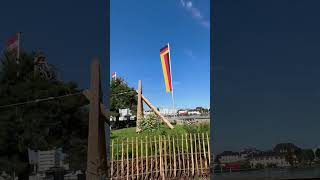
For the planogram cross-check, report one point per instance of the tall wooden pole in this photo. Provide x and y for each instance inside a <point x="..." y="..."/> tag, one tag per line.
<point x="96" y="157"/>
<point x="139" y="107"/>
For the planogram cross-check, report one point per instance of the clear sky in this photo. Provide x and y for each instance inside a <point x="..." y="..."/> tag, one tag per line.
<point x="266" y="57"/>
<point x="140" y="28"/>
<point x="266" y="85"/>
<point x="70" y="33"/>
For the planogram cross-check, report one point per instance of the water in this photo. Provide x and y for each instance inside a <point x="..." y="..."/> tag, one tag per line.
<point x="311" y="172"/>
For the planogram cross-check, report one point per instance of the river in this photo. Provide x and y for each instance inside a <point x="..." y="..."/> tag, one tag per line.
<point x="290" y="173"/>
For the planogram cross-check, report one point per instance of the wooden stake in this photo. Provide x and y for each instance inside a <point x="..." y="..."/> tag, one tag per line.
<point x="147" y="157"/>
<point x="122" y="156"/>
<point x="141" y="157"/>
<point x="165" y="155"/>
<point x="117" y="158"/>
<point x="137" y="157"/>
<point x="196" y="153"/>
<point x="96" y="156"/>
<point x="112" y="158"/>
<point x="192" y="160"/>
<point x="174" y="158"/>
<point x="151" y="154"/>
<point x="170" y="163"/>
<point x="183" y="154"/>
<point x="200" y="154"/>
<point x="204" y="152"/>
<point x="161" y="161"/>
<point x="139" y="107"/>
<point x="127" y="158"/>
<point x="208" y="149"/>
<point x="132" y="153"/>
<point x="156" y="154"/>
<point x="179" y="156"/>
<point x="188" y="161"/>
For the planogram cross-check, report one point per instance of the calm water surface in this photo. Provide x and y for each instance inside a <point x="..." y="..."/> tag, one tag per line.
<point x="312" y="172"/>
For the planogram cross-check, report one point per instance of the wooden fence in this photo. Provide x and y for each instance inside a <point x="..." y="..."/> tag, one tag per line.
<point x="157" y="157"/>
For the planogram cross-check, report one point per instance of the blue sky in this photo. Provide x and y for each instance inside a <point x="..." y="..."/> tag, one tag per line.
<point x="70" y="34"/>
<point x="138" y="30"/>
<point x="268" y="89"/>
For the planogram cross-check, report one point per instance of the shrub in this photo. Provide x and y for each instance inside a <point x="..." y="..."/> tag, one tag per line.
<point x="150" y="123"/>
<point x="196" y="128"/>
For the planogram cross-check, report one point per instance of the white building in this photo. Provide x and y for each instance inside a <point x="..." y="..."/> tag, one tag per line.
<point x="230" y="157"/>
<point x="125" y="112"/>
<point x="148" y="112"/>
<point x="44" y="160"/>
<point x="268" y="158"/>
<point x="182" y="112"/>
<point x="194" y="113"/>
<point x="167" y="111"/>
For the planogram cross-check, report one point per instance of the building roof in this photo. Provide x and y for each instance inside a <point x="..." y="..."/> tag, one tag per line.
<point x="229" y="153"/>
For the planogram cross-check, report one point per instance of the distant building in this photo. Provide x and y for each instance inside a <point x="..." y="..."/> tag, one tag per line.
<point x="182" y="112"/>
<point x="148" y="112"/>
<point x="124" y="114"/>
<point x="268" y="159"/>
<point x="194" y="112"/>
<point x="230" y="157"/>
<point x="44" y="160"/>
<point x="167" y="111"/>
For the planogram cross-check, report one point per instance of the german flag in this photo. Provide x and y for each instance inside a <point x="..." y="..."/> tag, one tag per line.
<point x="166" y="67"/>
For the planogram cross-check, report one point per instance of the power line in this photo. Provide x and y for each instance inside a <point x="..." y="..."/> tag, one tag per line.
<point x="52" y="98"/>
<point x="127" y="92"/>
<point x="39" y="100"/>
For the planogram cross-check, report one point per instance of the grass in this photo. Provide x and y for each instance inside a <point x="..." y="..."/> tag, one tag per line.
<point x="121" y="135"/>
<point x="163" y="130"/>
<point x="131" y="132"/>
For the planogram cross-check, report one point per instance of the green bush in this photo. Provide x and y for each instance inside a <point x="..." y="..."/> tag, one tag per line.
<point x="150" y="123"/>
<point x="197" y="128"/>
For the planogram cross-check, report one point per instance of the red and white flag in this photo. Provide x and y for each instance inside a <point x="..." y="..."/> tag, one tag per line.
<point x="12" y="45"/>
<point x="114" y="75"/>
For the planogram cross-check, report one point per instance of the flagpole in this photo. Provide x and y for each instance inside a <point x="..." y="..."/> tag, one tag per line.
<point x="18" y="53"/>
<point x="171" y="82"/>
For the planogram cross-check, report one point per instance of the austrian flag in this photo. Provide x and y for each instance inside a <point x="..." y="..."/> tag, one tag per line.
<point x="114" y="75"/>
<point x="166" y="67"/>
<point x="13" y="43"/>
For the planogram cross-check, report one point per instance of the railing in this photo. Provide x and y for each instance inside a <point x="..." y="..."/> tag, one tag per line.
<point x="160" y="157"/>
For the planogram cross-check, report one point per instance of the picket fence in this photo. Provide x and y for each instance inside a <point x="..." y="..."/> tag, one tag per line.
<point x="161" y="157"/>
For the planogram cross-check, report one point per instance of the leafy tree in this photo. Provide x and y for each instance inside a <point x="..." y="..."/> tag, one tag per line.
<point x="121" y="97"/>
<point x="317" y="153"/>
<point x="309" y="155"/>
<point x="305" y="155"/>
<point x="39" y="125"/>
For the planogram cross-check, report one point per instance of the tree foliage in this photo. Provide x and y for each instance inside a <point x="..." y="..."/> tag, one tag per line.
<point x="122" y="96"/>
<point x="317" y="153"/>
<point x="41" y="125"/>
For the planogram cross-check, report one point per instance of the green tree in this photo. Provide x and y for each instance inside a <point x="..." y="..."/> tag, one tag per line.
<point x="42" y="125"/>
<point x="309" y="155"/>
<point x="317" y="153"/>
<point x="121" y="97"/>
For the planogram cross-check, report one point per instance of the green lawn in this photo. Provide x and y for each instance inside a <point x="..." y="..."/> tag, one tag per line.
<point x="120" y="137"/>
<point x="131" y="132"/>
<point x="177" y="131"/>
